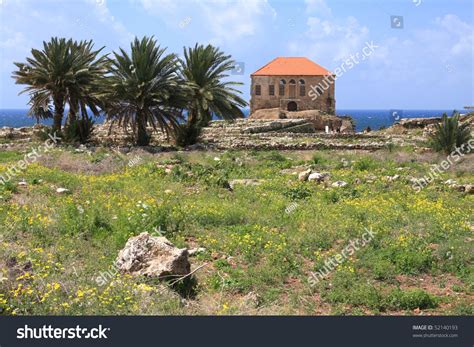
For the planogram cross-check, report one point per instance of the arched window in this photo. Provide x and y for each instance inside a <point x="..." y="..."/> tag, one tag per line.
<point x="281" y="88"/>
<point x="319" y="91"/>
<point x="258" y="89"/>
<point x="302" y="88"/>
<point x="292" y="82"/>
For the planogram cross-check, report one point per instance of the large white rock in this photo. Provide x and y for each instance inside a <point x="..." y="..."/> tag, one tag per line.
<point x="153" y="256"/>
<point x="318" y="176"/>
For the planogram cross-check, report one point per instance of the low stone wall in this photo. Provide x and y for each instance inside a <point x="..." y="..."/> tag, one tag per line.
<point x="283" y="134"/>
<point x="319" y="119"/>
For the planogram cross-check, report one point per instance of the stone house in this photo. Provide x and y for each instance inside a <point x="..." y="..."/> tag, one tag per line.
<point x="293" y="84"/>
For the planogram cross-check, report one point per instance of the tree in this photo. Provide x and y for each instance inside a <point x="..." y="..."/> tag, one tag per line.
<point x="65" y="71"/>
<point x="40" y="107"/>
<point x="89" y="74"/>
<point x="203" y="69"/>
<point x="144" y="89"/>
<point x="450" y="134"/>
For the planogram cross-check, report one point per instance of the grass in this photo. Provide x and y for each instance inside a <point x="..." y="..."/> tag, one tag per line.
<point x="259" y="253"/>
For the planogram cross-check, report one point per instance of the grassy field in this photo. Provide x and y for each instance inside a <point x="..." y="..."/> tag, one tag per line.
<point x="261" y="242"/>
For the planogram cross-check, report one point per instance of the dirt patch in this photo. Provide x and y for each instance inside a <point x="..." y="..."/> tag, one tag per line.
<point x="80" y="163"/>
<point x="439" y="286"/>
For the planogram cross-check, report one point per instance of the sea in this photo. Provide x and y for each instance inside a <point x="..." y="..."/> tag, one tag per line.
<point x="375" y="119"/>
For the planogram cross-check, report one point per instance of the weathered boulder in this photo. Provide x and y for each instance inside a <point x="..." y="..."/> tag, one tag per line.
<point x="318" y="176"/>
<point x="303" y="176"/>
<point x="467" y="188"/>
<point x="153" y="256"/>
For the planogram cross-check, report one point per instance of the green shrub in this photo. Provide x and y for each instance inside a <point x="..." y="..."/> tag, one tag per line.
<point x="411" y="299"/>
<point x="319" y="159"/>
<point x="450" y="134"/>
<point x="297" y="192"/>
<point x="79" y="130"/>
<point x="365" y="164"/>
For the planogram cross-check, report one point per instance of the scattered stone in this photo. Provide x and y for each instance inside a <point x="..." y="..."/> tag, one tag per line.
<point x="62" y="190"/>
<point x="168" y="191"/>
<point x="153" y="256"/>
<point x="338" y="184"/>
<point x="450" y="182"/>
<point x="195" y="251"/>
<point x="318" y="176"/>
<point x="392" y="178"/>
<point x="22" y="183"/>
<point x="303" y="176"/>
<point x="252" y="300"/>
<point x="469" y="188"/>
<point x="245" y="182"/>
<point x="217" y="159"/>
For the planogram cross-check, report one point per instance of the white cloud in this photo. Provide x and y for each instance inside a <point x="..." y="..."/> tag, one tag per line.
<point x="331" y="40"/>
<point x="448" y="40"/>
<point x="318" y="7"/>
<point x="102" y="13"/>
<point x="226" y="20"/>
<point x="25" y="25"/>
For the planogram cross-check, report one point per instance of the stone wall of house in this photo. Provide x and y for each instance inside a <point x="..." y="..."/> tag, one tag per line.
<point x="318" y="93"/>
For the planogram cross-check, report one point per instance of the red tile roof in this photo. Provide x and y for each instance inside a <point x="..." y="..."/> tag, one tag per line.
<point x="292" y="66"/>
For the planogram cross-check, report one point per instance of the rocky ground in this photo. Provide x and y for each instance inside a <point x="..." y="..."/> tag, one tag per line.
<point x="280" y="134"/>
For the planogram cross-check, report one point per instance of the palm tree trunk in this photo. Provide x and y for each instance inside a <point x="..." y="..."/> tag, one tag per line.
<point x="58" y="114"/>
<point x="71" y="118"/>
<point x="142" y="135"/>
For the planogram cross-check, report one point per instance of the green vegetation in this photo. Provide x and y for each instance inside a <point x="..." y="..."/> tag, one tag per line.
<point x="146" y="88"/>
<point x="450" y="134"/>
<point x="203" y="70"/>
<point x="259" y="252"/>
<point x="63" y="72"/>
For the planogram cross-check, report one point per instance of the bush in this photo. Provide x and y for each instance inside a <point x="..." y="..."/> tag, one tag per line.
<point x="450" y="134"/>
<point x="187" y="134"/>
<point x="319" y="159"/>
<point x="79" y="130"/>
<point x="411" y="299"/>
<point x="365" y="164"/>
<point x="297" y="192"/>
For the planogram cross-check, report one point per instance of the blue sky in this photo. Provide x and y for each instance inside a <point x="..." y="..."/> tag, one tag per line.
<point x="426" y="64"/>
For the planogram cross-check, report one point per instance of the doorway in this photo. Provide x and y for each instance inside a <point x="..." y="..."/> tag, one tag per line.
<point x="292" y="106"/>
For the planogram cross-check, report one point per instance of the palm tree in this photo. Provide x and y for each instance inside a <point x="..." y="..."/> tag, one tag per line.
<point x="450" y="134"/>
<point x="144" y="89"/>
<point x="40" y="107"/>
<point x="63" y="71"/>
<point x="203" y="69"/>
<point x="89" y="74"/>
